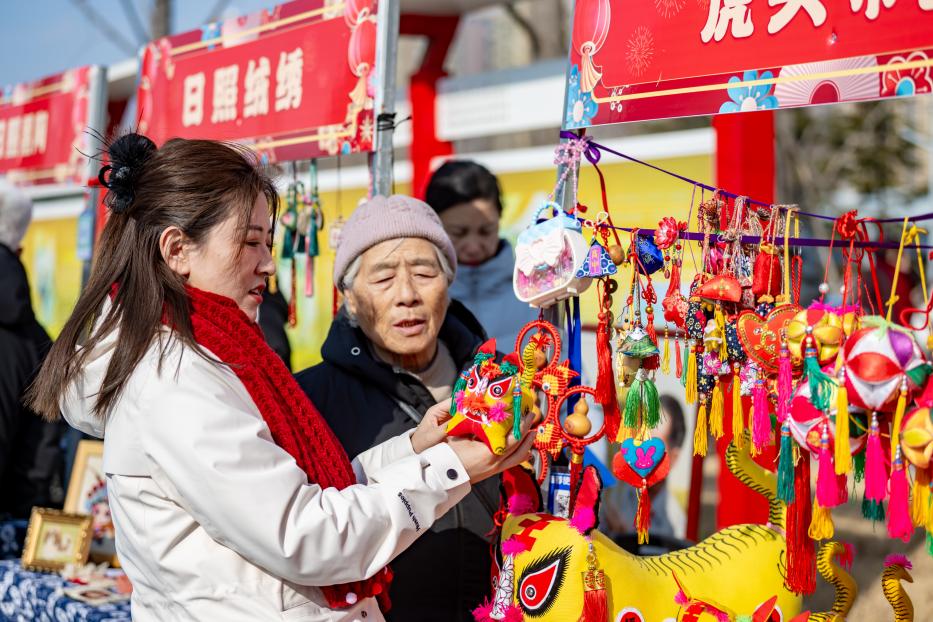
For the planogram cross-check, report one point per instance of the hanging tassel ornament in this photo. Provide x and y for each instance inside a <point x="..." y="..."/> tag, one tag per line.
<point x="738" y="413"/>
<point x="898" y="418"/>
<point x="691" y="373"/>
<point x="785" y="387"/>
<point x="761" y="415"/>
<point x="666" y="357"/>
<point x="842" y="448"/>
<point x="801" y="554"/>
<point x="679" y="363"/>
<point x="858" y="466"/>
<point x="876" y="476"/>
<point x="643" y="514"/>
<point x="605" y="379"/>
<point x="595" y="601"/>
<point x="785" y="475"/>
<point x="827" y="494"/>
<point x="821" y="385"/>
<point x="700" y="433"/>
<point x="716" y="412"/>
<point x="920" y="499"/>
<point x="899" y="524"/>
<point x="821" y="525"/>
<point x="642" y="403"/>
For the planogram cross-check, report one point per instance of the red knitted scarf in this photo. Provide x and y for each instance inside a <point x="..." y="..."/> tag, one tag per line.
<point x="296" y="426"/>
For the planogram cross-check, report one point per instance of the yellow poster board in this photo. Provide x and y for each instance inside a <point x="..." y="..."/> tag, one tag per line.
<point x="54" y="270"/>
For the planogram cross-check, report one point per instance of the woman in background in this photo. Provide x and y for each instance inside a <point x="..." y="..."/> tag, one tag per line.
<point x="468" y="200"/>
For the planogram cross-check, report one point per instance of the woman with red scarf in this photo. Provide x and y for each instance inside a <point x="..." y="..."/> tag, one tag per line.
<point x="231" y="498"/>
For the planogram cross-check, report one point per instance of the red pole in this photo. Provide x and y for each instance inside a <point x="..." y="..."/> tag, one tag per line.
<point x="422" y="93"/>
<point x="744" y="165"/>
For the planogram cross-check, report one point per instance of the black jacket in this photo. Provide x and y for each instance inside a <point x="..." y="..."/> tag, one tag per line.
<point x="445" y="573"/>
<point x="30" y="457"/>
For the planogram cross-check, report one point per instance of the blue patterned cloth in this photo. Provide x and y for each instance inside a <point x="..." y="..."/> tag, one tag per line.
<point x="35" y="596"/>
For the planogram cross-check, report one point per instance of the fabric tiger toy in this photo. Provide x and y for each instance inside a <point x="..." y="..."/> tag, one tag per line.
<point x="490" y="396"/>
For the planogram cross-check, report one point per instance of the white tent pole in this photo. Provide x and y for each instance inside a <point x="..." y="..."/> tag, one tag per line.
<point x="386" y="61"/>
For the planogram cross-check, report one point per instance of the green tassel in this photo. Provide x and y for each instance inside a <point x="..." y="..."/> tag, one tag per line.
<point x="873" y="510"/>
<point x="459" y="386"/>
<point x="785" y="483"/>
<point x="683" y="376"/>
<point x="930" y="543"/>
<point x="517" y="411"/>
<point x="858" y="461"/>
<point x="651" y="404"/>
<point x="633" y="402"/>
<point x="821" y="385"/>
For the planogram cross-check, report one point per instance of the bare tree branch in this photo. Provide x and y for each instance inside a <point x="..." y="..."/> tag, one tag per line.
<point x="103" y="25"/>
<point x="135" y="23"/>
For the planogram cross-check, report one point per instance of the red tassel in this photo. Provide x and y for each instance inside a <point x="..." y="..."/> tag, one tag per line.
<point x="827" y="492"/>
<point x="595" y="608"/>
<point x="761" y="415"/>
<point x="876" y="476"/>
<point x="801" y="554"/>
<point x="899" y="523"/>
<point x="679" y="361"/>
<point x="605" y="379"/>
<point x="643" y="515"/>
<point x="595" y="605"/>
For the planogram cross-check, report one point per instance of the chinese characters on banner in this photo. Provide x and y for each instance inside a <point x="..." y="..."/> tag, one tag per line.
<point x="633" y="60"/>
<point x="42" y="128"/>
<point x="292" y="83"/>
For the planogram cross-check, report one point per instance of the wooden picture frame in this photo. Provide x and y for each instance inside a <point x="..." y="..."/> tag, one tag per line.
<point x="54" y="539"/>
<point x="87" y="494"/>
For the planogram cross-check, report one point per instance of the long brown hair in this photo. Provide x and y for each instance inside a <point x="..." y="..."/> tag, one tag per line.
<point x="191" y="184"/>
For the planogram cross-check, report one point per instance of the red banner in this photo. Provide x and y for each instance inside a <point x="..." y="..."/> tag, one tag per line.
<point x="664" y="58"/>
<point x="42" y="129"/>
<point x="292" y="83"/>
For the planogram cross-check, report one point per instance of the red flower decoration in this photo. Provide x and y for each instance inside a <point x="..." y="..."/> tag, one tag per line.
<point x="667" y="232"/>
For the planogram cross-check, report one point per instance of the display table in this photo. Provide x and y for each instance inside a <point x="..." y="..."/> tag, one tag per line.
<point x="38" y="596"/>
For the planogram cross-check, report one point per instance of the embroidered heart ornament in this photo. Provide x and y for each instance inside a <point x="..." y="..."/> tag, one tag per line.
<point x="761" y="336"/>
<point x="641" y="460"/>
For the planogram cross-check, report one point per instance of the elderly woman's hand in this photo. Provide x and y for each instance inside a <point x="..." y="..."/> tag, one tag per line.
<point x="480" y="463"/>
<point x="433" y="427"/>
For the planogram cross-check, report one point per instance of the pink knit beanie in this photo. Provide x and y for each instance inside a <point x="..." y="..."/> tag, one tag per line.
<point x="389" y="218"/>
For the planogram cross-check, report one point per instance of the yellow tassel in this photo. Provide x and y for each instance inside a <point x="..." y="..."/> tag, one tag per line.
<point x="700" y="434"/>
<point x="720" y="320"/>
<point x="843" y="451"/>
<point x="898" y="417"/>
<point x="625" y="433"/>
<point x="666" y="358"/>
<point x="920" y="500"/>
<point x="691" y="387"/>
<point x="821" y="523"/>
<point x="716" y="408"/>
<point x="738" y="415"/>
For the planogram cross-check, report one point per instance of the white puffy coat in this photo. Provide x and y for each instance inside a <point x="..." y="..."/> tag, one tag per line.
<point x="214" y="521"/>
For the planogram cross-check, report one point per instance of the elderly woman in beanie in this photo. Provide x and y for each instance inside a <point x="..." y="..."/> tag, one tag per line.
<point x="394" y="349"/>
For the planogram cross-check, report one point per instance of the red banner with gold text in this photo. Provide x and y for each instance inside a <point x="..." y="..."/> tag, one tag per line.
<point x="642" y="59"/>
<point x="42" y="129"/>
<point x="294" y="82"/>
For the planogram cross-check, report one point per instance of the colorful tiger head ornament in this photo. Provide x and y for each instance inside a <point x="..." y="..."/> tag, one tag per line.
<point x="491" y="395"/>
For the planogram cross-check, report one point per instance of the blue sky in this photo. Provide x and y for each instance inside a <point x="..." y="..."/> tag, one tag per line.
<point x="42" y="37"/>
